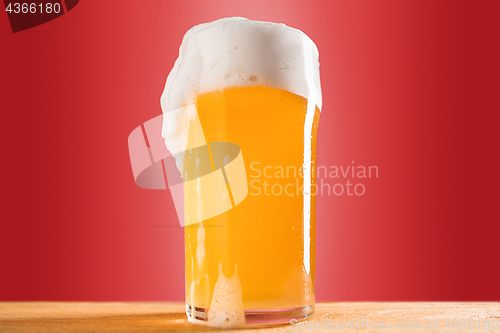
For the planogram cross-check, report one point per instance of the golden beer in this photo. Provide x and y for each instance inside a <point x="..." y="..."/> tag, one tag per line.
<point x="258" y="257"/>
<point x="241" y="108"/>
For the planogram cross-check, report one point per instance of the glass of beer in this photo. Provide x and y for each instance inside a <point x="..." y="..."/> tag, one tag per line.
<point x="244" y="98"/>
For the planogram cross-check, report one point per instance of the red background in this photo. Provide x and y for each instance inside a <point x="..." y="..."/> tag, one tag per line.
<point x="409" y="86"/>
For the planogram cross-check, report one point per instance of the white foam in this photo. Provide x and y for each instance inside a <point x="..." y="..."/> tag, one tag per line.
<point x="234" y="52"/>
<point x="226" y="308"/>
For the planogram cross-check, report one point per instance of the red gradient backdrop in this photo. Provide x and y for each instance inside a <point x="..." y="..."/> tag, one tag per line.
<point x="409" y="86"/>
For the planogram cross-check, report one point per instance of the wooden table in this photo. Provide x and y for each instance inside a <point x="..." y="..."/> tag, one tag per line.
<point x="170" y="317"/>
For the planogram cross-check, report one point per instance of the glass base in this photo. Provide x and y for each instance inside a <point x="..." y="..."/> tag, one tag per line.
<point x="255" y="318"/>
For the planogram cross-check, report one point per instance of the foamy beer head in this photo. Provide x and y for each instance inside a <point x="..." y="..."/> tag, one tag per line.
<point x="237" y="52"/>
<point x="230" y="52"/>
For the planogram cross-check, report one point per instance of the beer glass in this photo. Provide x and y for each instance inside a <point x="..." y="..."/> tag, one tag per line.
<point x="244" y="98"/>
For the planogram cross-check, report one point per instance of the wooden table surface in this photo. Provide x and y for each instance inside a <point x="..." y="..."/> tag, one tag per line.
<point x="170" y="317"/>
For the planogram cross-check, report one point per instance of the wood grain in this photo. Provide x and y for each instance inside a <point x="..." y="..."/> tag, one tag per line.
<point x="170" y="317"/>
